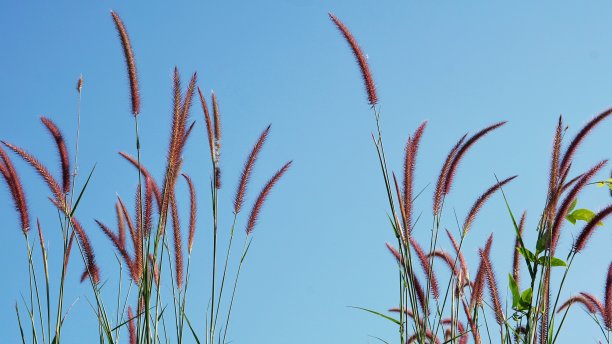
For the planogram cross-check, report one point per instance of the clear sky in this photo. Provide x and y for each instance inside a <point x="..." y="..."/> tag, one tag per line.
<point x="319" y="245"/>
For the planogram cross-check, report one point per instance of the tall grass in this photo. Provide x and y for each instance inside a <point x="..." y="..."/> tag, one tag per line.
<point x="429" y="311"/>
<point x="151" y="301"/>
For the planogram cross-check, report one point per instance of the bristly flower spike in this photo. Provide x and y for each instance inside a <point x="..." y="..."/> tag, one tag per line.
<point x="442" y="176"/>
<point x="130" y="62"/>
<point x="493" y="290"/>
<point x="42" y="171"/>
<point x="452" y="169"/>
<point x="62" y="150"/>
<point x="248" y="168"/>
<point x="361" y="60"/>
<point x="480" y="201"/>
<point x="573" y="146"/>
<point x="565" y="205"/>
<point x="262" y="197"/>
<point x="192" y="212"/>
<point x="16" y="188"/>
<point x="217" y="126"/>
<point x="412" y="148"/>
<point x="178" y="251"/>
<point x="608" y="299"/>
<point x="578" y="299"/>
<point x="209" y="126"/>
<point x="427" y="268"/>
<point x="516" y="257"/>
<point x="588" y="230"/>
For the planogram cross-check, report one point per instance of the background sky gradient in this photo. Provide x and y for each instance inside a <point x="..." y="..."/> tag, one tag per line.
<point x="319" y="245"/>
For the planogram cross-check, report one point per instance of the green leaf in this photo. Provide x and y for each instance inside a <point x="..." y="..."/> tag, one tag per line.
<point x="584" y="215"/>
<point x="377" y="313"/>
<point x="570" y="218"/>
<point x="526" y="298"/>
<point x="553" y="262"/>
<point x="604" y="183"/>
<point x="572" y="206"/>
<point x="516" y="295"/>
<point x="542" y="242"/>
<point x="528" y="255"/>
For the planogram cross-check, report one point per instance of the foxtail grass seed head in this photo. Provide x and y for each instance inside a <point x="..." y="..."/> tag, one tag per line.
<point x="362" y="61"/>
<point x="595" y="302"/>
<point x="41" y="239"/>
<point x="79" y="85"/>
<point x="395" y="253"/>
<point x="263" y="195"/>
<point x="402" y="208"/>
<point x="41" y="170"/>
<point x="427" y="268"/>
<point x="578" y="299"/>
<point x="587" y="231"/>
<point x="437" y="201"/>
<point x="16" y="189"/>
<point x="148" y="213"/>
<point x="130" y="62"/>
<point x="146" y="174"/>
<point x="464" y="266"/>
<point x="582" y="134"/>
<point x="569" y="199"/>
<point x="247" y="170"/>
<point x="493" y="290"/>
<point x="178" y="251"/>
<point x="62" y="150"/>
<point x="120" y="247"/>
<point x="192" y="212"/>
<point x="479" y="280"/>
<point x="131" y="326"/>
<point x="446" y="258"/>
<point x="553" y="179"/>
<point x="217" y="121"/>
<point x="608" y="299"/>
<point x="516" y="257"/>
<point x="412" y="147"/>
<point x="481" y="201"/>
<point x="452" y="169"/>
<point x="209" y="126"/>
<point x="91" y="268"/>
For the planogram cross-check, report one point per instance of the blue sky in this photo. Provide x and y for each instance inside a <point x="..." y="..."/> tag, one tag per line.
<point x="319" y="246"/>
